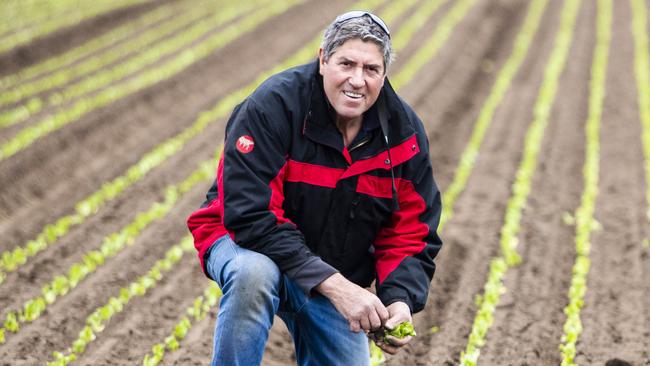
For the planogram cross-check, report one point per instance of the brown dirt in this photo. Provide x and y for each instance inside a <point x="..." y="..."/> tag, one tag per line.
<point x="44" y="182"/>
<point x="616" y="314"/>
<point x="59" y="41"/>
<point x="528" y="322"/>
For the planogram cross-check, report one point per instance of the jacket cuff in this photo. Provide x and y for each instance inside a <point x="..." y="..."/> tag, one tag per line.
<point x="311" y="274"/>
<point x="389" y="296"/>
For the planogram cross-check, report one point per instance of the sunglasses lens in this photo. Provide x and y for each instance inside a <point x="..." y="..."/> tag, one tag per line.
<point x="358" y="14"/>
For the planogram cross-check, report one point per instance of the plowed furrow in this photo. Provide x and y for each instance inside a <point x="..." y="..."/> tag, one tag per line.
<point x="60" y="40"/>
<point x="528" y="323"/>
<point x="472" y="234"/>
<point x="135" y="125"/>
<point x="615" y="317"/>
<point x="59" y="326"/>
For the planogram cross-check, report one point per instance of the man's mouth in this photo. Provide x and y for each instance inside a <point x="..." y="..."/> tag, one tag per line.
<point x="352" y="95"/>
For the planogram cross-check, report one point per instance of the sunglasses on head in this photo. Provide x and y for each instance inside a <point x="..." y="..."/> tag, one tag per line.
<point x="360" y="13"/>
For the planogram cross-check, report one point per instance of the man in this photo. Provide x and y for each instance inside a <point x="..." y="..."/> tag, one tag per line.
<point x="324" y="186"/>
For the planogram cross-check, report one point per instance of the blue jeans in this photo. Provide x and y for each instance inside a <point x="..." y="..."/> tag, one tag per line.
<point x="254" y="291"/>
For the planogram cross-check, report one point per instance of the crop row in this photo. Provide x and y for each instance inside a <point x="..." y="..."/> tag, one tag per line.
<point x="151" y="54"/>
<point x="509" y="257"/>
<point x="430" y="47"/>
<point x="111" y="245"/>
<point x="584" y="216"/>
<point x="144" y="79"/>
<point x="17" y="15"/>
<point x="97" y="320"/>
<point x="41" y="28"/>
<point x="140" y="42"/>
<point x="641" y="68"/>
<point x="118" y="34"/>
<point x="196" y="312"/>
<point x="502" y="82"/>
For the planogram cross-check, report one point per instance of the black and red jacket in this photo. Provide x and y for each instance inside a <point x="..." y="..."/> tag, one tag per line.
<point x="287" y="187"/>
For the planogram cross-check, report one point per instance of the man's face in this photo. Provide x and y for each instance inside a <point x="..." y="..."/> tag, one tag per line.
<point x="353" y="77"/>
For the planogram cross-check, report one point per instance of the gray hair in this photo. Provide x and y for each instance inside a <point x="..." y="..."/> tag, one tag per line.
<point x="363" y="28"/>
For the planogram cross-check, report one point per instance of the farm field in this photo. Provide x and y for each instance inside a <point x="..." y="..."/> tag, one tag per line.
<point x="538" y="113"/>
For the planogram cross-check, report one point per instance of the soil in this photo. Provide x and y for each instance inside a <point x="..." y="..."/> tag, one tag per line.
<point x="44" y="182"/>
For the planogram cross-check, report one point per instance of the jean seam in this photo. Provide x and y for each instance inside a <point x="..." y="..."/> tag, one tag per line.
<point x="230" y="245"/>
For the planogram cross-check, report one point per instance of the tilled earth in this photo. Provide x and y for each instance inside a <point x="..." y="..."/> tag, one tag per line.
<point x="44" y="182"/>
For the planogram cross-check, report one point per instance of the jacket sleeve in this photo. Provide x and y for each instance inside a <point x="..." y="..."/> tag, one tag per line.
<point x="405" y="249"/>
<point x="253" y="195"/>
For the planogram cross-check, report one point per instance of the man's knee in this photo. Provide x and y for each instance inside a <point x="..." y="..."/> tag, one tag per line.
<point x="254" y="280"/>
<point x="256" y="271"/>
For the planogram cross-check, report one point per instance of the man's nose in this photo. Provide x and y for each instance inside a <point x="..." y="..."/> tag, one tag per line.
<point x="356" y="78"/>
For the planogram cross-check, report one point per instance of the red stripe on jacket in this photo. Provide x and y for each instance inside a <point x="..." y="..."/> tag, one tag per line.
<point x="277" y="196"/>
<point x="400" y="154"/>
<point x="206" y="224"/>
<point x="317" y="175"/>
<point x="375" y="186"/>
<point x="405" y="235"/>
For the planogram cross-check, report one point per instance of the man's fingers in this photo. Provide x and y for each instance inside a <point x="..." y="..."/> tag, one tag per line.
<point x="355" y="326"/>
<point x="396" y="320"/>
<point x="388" y="348"/>
<point x="375" y="321"/>
<point x="383" y="313"/>
<point x="365" y="323"/>
<point x="392" y="344"/>
<point x="397" y="341"/>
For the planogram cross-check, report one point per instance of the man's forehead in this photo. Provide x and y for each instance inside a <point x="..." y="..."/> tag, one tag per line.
<point x="353" y="59"/>
<point x="358" y="57"/>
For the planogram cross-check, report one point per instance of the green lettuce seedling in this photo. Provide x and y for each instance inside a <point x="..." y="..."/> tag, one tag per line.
<point x="401" y="331"/>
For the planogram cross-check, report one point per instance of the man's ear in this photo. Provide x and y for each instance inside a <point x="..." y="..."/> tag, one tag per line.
<point x="321" y="60"/>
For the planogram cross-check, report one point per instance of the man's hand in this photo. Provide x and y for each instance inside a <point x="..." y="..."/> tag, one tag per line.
<point x="362" y="309"/>
<point x="399" y="313"/>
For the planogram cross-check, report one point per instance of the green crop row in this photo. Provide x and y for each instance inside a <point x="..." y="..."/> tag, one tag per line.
<point x="141" y="61"/>
<point x="55" y="23"/>
<point x="11" y="260"/>
<point x="431" y="46"/>
<point x="501" y="85"/>
<point x="96" y="321"/>
<point x="147" y="78"/>
<point x="122" y="32"/>
<point x="424" y="54"/>
<point x="140" y="43"/>
<point x="17" y="15"/>
<point x="641" y="68"/>
<point x="521" y="188"/>
<point x="584" y="216"/>
<point x="111" y="246"/>
<point x="415" y="23"/>
<point x="196" y="312"/>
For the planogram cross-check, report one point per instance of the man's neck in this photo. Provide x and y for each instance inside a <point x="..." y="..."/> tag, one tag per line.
<point x="349" y="128"/>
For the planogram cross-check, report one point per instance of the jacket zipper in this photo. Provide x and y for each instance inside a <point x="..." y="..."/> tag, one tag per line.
<point x="361" y="143"/>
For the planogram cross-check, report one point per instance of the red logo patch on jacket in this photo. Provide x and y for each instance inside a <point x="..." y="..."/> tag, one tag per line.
<point x="245" y="144"/>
